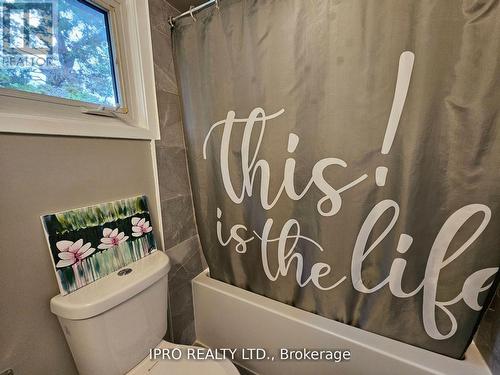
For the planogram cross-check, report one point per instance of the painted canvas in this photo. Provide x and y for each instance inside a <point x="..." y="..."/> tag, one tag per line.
<point x="89" y="243"/>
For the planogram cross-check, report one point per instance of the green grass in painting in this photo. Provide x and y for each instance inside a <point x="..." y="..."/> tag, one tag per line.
<point x="97" y="215"/>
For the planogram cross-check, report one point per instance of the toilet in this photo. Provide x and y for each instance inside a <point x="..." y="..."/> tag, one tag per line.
<point x="113" y="324"/>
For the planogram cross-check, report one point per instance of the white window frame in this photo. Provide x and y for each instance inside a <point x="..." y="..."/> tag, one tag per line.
<point x="137" y="116"/>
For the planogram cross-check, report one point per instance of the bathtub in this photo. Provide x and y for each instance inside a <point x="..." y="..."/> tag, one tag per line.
<point x="230" y="317"/>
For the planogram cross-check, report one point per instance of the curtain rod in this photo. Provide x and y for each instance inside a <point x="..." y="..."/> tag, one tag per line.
<point x="192" y="10"/>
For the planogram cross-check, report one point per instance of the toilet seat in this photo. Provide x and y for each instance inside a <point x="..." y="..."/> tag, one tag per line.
<point x="182" y="366"/>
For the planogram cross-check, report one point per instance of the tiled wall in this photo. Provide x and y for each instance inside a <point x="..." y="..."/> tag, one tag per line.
<point x="179" y="228"/>
<point x="488" y="335"/>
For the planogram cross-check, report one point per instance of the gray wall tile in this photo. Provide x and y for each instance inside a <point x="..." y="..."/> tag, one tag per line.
<point x="178" y="220"/>
<point x="162" y="54"/>
<point x="182" y="253"/>
<point x="182" y="311"/>
<point x="165" y="77"/>
<point x="172" y="172"/>
<point x="159" y="13"/>
<point x="184" y="5"/>
<point x="161" y="38"/>
<point x="187" y="262"/>
<point x="181" y="292"/>
<point x="170" y="120"/>
<point x="179" y="226"/>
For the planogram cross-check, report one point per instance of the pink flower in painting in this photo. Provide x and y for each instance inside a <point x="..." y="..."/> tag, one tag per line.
<point x="72" y="252"/>
<point x="111" y="238"/>
<point x="140" y="226"/>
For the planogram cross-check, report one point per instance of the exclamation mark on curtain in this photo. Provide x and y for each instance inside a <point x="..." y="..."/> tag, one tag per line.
<point x="402" y="83"/>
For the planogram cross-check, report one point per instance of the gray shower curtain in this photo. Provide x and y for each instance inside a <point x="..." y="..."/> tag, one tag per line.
<point x="345" y="157"/>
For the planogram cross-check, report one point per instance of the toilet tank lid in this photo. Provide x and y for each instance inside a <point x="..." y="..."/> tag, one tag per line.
<point x="111" y="290"/>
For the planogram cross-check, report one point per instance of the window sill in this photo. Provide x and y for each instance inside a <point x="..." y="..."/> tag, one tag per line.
<point x="19" y="115"/>
<point x="105" y="127"/>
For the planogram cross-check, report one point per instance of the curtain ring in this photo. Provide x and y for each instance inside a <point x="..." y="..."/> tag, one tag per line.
<point x="171" y="22"/>
<point x="191" y="13"/>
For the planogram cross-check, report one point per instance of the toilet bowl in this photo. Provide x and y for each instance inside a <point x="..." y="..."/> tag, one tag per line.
<point x="113" y="324"/>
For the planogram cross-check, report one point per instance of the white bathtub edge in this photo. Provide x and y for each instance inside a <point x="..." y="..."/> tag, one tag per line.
<point x="410" y="358"/>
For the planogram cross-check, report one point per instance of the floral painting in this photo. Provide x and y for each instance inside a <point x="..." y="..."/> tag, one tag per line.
<point x="89" y="243"/>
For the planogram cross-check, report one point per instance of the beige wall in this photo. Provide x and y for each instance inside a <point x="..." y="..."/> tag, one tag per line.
<point x="44" y="174"/>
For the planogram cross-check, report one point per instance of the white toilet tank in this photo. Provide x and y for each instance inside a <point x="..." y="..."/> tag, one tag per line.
<point x="111" y="324"/>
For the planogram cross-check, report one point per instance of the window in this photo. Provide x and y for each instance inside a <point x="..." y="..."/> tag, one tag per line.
<point x="60" y="49"/>
<point x="63" y="61"/>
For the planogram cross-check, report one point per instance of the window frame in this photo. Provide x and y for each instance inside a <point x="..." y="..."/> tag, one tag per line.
<point x="117" y="81"/>
<point x="136" y="116"/>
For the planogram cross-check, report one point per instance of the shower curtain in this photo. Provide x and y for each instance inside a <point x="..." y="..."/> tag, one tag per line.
<point x="345" y="157"/>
